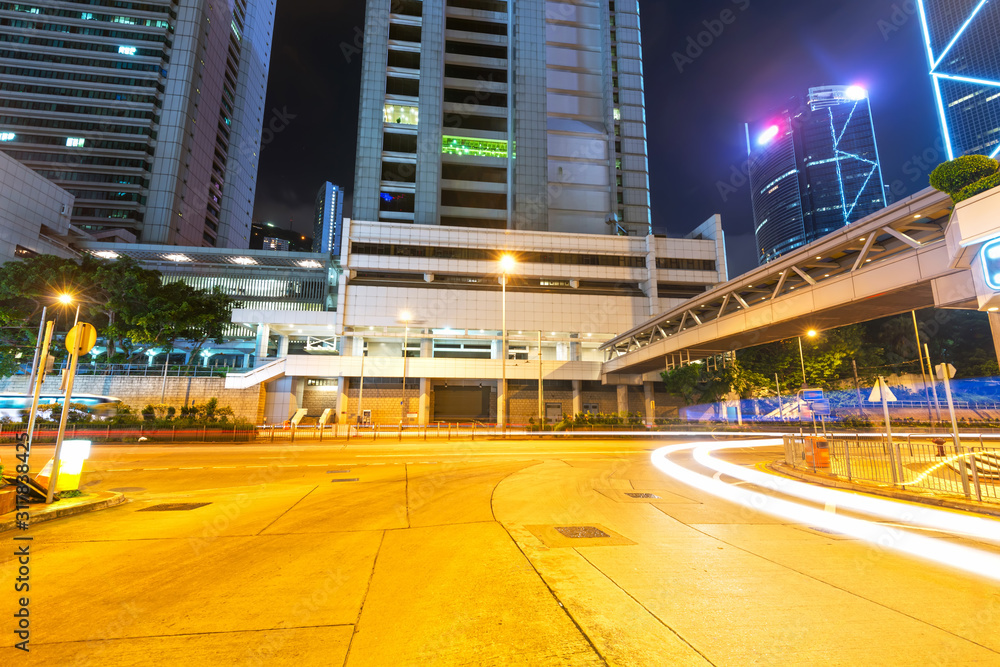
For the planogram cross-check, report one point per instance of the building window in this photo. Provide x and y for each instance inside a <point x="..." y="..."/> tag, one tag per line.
<point x="7" y="136"/>
<point x="473" y="147"/>
<point x="75" y="142"/>
<point x="400" y="115"/>
<point x="127" y="50"/>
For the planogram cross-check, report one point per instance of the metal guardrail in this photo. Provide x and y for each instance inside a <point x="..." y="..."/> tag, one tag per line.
<point x="144" y="370"/>
<point x="931" y="463"/>
<point x="98" y="432"/>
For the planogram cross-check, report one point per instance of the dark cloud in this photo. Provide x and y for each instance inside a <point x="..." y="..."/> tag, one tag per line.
<point x="767" y="53"/>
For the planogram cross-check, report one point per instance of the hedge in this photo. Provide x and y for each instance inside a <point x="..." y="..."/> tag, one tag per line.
<point x="958" y="174"/>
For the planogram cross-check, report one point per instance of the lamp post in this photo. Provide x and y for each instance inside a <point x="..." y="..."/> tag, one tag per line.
<point x="405" y="317"/>
<point x="812" y="333"/>
<point x="507" y="264"/>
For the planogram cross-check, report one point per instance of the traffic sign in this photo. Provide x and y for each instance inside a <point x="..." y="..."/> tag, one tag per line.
<point x="810" y="395"/>
<point x="940" y="369"/>
<point x="83" y="336"/>
<point x="877" y="393"/>
<point x="821" y="408"/>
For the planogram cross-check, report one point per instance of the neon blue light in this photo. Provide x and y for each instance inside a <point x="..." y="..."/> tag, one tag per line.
<point x="994" y="153"/>
<point x="848" y="211"/>
<point x="989" y="255"/>
<point x="967" y="79"/>
<point x="927" y="33"/>
<point x="768" y="135"/>
<point x="944" y="118"/>
<point x="957" y="35"/>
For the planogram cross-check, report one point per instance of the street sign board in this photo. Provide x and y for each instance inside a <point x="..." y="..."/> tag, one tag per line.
<point x="877" y="393"/>
<point x="941" y="368"/>
<point x="821" y="408"/>
<point x="810" y="395"/>
<point x="83" y="336"/>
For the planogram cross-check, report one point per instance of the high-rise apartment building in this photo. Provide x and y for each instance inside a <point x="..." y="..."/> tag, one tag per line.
<point x="814" y="168"/>
<point x="961" y="39"/>
<point x="523" y="115"/>
<point x="328" y="224"/>
<point x="149" y="112"/>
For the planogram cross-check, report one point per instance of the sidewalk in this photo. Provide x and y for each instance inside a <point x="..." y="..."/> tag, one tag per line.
<point x="910" y="495"/>
<point x="39" y="512"/>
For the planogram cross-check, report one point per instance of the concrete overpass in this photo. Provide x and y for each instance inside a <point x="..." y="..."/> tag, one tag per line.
<point x="917" y="253"/>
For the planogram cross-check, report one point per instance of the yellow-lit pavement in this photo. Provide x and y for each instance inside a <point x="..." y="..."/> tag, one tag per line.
<point x="451" y="554"/>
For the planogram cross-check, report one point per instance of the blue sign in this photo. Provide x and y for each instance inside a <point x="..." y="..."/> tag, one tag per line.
<point x="810" y="395"/>
<point x="991" y="263"/>
<point x="821" y="408"/>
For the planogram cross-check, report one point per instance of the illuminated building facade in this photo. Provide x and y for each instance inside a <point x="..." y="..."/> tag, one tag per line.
<point x="961" y="40"/>
<point x="149" y="113"/>
<point x="329" y="221"/>
<point x="814" y="168"/>
<point x="503" y="115"/>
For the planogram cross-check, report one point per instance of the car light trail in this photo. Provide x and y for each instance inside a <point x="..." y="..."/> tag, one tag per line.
<point x="882" y="537"/>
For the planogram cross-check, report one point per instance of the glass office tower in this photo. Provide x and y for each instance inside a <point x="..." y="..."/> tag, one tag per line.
<point x="149" y="113"/>
<point x="503" y="115"/>
<point x="961" y="38"/>
<point x="328" y="223"/>
<point x="814" y="168"/>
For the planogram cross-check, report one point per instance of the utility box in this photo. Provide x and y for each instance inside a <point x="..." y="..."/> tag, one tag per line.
<point x="816" y="451"/>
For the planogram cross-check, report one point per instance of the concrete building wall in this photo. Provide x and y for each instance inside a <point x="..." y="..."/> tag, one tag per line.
<point x="33" y="210"/>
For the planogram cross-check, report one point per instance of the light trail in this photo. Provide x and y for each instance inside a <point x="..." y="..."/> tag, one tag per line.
<point x="880" y="536"/>
<point x="927" y="517"/>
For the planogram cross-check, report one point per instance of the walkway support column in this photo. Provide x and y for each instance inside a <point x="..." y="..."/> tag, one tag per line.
<point x="577" y="397"/>
<point x="343" y="384"/>
<point x="260" y="347"/>
<point x="282" y="346"/>
<point x="622" y="398"/>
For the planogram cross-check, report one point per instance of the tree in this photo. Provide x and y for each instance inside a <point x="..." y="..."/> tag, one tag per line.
<point x="695" y="383"/>
<point x="176" y="311"/>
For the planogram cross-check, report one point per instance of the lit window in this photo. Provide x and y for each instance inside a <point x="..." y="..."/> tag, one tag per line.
<point x="473" y="147"/>
<point x="236" y="31"/>
<point x="618" y="114"/>
<point x="86" y="16"/>
<point x="75" y="142"/>
<point x="177" y="258"/>
<point x="400" y="115"/>
<point x="127" y="50"/>
<point x="106" y="254"/>
<point x="244" y="260"/>
<point x="310" y="264"/>
<point x="126" y="19"/>
<point x="7" y="136"/>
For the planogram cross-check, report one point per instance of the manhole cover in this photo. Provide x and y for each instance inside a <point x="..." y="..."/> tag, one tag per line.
<point x="581" y="531"/>
<point x="173" y="507"/>
<point x="642" y="495"/>
<point x="353" y="479"/>
<point x="129" y="489"/>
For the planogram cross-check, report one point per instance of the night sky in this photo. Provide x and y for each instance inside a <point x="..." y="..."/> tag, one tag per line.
<point x="769" y="51"/>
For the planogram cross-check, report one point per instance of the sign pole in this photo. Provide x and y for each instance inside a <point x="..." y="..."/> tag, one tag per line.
<point x="39" y="379"/>
<point x="944" y="374"/>
<point x="937" y="404"/>
<point x="80" y="339"/>
<point x="781" y="408"/>
<point x="883" y="391"/>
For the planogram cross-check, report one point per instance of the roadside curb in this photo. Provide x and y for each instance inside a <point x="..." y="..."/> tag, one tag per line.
<point x="895" y="494"/>
<point x="39" y="513"/>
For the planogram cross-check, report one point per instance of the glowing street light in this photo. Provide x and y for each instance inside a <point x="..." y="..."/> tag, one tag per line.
<point x="812" y="333"/>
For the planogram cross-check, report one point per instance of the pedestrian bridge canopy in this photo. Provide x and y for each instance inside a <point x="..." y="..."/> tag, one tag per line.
<point x="891" y="262"/>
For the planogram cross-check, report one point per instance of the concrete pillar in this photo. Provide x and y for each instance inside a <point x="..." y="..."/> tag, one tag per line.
<point x="426" y="348"/>
<point x="995" y="330"/>
<point x="283" y="398"/>
<point x="649" y="403"/>
<point x="347" y="346"/>
<point x="622" y="398"/>
<point x="246" y="361"/>
<point x="343" y="384"/>
<point x="577" y="397"/>
<point x="282" y="346"/>
<point x="263" y="335"/>
<point x="424" y="406"/>
<point x="562" y="352"/>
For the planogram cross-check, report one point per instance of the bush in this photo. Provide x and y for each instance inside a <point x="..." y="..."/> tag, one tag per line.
<point x="982" y="185"/>
<point x="954" y="176"/>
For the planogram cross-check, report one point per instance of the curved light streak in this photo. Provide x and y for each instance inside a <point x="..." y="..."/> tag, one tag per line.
<point x="884" y="537"/>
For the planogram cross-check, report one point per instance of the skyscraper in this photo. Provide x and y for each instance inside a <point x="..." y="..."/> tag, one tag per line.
<point x="149" y="113"/>
<point x="814" y="168"/>
<point x="961" y="38"/>
<point x="329" y="221"/>
<point x="503" y="115"/>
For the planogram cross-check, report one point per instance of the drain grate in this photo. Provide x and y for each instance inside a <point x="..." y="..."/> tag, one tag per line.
<point x="642" y="495"/>
<point x="331" y="472"/>
<point x="352" y="479"/>
<point x="173" y="507"/>
<point x="581" y="531"/>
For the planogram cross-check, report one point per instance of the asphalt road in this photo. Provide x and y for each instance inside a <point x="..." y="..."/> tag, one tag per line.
<point x="449" y="554"/>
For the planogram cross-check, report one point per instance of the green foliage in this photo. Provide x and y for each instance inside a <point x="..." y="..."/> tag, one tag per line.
<point x="980" y="186"/>
<point x="952" y="177"/>
<point x="695" y="383"/>
<point x="72" y="493"/>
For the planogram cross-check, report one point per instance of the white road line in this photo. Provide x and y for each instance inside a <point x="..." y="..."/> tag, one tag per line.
<point x="155" y="469"/>
<point x="223" y="467"/>
<point x="121" y="469"/>
<point x="256" y="466"/>
<point x="314" y="465"/>
<point x="198" y="468"/>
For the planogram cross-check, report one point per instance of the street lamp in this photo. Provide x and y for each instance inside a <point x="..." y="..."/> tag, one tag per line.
<point x="812" y="333"/>
<point x="405" y="318"/>
<point x="66" y="299"/>
<point x="507" y="265"/>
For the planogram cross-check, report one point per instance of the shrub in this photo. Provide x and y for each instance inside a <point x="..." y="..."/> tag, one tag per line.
<point x="952" y="177"/>
<point x="982" y="185"/>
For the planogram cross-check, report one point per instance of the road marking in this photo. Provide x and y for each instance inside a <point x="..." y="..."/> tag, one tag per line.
<point x="155" y="469"/>
<point x="199" y="468"/>
<point x="288" y="465"/>
<point x="256" y="466"/>
<point x="223" y="467"/>
<point x="315" y="465"/>
<point x="831" y="508"/>
<point x="121" y="469"/>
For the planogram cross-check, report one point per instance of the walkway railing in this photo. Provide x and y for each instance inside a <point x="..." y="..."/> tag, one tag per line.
<point x="928" y="463"/>
<point x="97" y="432"/>
<point x="144" y="370"/>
